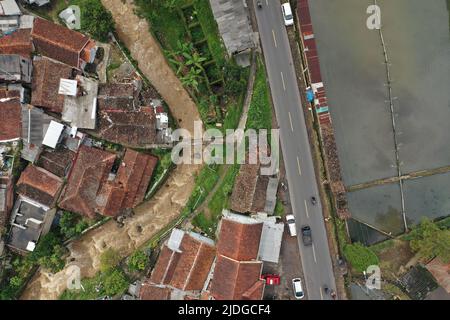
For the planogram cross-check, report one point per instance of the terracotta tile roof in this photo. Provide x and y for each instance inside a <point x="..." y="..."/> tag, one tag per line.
<point x="131" y="128"/>
<point x="150" y="291"/>
<point x="128" y="189"/>
<point x="441" y="272"/>
<point x="18" y="42"/>
<point x="244" y="188"/>
<point x="45" y="84"/>
<point x="91" y="169"/>
<point x="58" y="42"/>
<point x="135" y="173"/>
<point x="239" y="241"/>
<point x="10" y="120"/>
<point x="236" y="280"/>
<point x="57" y="161"/>
<point x="8" y="93"/>
<point x="185" y="270"/>
<point x="259" y="197"/>
<point x="194" y="264"/>
<point x="39" y="185"/>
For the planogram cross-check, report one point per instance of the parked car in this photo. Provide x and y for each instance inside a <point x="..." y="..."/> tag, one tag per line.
<point x="290" y="220"/>
<point x="306" y="235"/>
<point x="287" y="14"/>
<point x="298" y="289"/>
<point x="271" y="279"/>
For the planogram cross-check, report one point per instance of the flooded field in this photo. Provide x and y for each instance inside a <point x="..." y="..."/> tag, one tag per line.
<point x="417" y="41"/>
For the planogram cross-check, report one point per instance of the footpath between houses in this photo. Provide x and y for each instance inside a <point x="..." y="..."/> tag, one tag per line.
<point x="152" y="216"/>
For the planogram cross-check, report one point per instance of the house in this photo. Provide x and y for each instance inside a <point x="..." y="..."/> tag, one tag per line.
<point x="252" y="192"/>
<point x="57" y="42"/>
<point x="237" y="271"/>
<point x="35" y="124"/>
<point x="11" y="117"/>
<point x="9" y="16"/>
<point x="39" y="185"/>
<point x="233" y="21"/>
<point x="47" y="75"/>
<point x="6" y="184"/>
<point x="80" y="102"/>
<point x="182" y="269"/>
<point x="129" y="186"/>
<point x="56" y="160"/>
<point x="17" y="42"/>
<point x="71" y="17"/>
<point x="271" y="237"/>
<point x="14" y="68"/>
<point x="441" y="272"/>
<point x="29" y="222"/>
<point x="90" y="171"/>
<point x="121" y="117"/>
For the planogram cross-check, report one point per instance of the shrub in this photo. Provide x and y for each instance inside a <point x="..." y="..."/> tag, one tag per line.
<point x="95" y="19"/>
<point x="114" y="282"/>
<point x="109" y="259"/>
<point x="359" y="256"/>
<point x="138" y="261"/>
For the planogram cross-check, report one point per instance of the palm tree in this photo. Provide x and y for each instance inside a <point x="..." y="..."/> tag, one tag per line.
<point x="191" y="79"/>
<point x="194" y="59"/>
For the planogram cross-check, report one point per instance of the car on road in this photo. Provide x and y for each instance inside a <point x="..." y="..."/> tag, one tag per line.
<point x="298" y="289"/>
<point x="306" y="235"/>
<point x="290" y="220"/>
<point x="287" y="14"/>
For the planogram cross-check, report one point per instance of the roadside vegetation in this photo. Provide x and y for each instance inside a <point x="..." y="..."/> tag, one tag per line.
<point x="360" y="257"/>
<point x="189" y="36"/>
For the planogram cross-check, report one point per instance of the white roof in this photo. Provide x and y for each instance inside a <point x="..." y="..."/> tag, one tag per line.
<point x="9" y="8"/>
<point x="31" y="245"/>
<point x="53" y="133"/>
<point x="68" y="87"/>
<point x="175" y="239"/>
<point x="271" y="237"/>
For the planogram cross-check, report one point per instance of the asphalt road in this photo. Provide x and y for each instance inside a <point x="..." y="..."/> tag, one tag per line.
<point x="316" y="260"/>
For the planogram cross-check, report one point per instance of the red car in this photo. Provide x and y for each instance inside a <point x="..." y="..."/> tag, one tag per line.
<point x="271" y="279"/>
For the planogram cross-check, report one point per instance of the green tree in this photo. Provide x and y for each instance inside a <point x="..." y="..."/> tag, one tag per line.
<point x="429" y="241"/>
<point x="49" y="253"/>
<point x="138" y="261"/>
<point x="95" y="19"/>
<point x="194" y="59"/>
<point x="192" y="79"/>
<point x="115" y="282"/>
<point x="359" y="256"/>
<point x="109" y="259"/>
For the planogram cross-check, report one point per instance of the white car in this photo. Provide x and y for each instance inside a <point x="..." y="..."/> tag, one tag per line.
<point x="290" y="220"/>
<point x="298" y="289"/>
<point x="287" y="14"/>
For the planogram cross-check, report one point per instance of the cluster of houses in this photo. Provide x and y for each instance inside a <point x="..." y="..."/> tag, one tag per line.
<point x="54" y="116"/>
<point x="191" y="266"/>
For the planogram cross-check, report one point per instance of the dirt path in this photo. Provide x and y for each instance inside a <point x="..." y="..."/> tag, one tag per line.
<point x="134" y="33"/>
<point x="167" y="203"/>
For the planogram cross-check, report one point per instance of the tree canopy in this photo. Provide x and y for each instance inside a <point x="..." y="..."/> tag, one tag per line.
<point x="429" y="241"/>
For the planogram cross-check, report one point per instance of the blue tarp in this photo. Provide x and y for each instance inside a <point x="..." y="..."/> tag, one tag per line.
<point x="310" y="95"/>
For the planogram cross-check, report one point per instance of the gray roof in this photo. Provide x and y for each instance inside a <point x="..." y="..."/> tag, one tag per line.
<point x="271" y="195"/>
<point x="9" y="8"/>
<point x="13" y="67"/>
<point x="81" y="111"/>
<point x="271" y="237"/>
<point x="25" y="228"/>
<point x="234" y="24"/>
<point x="34" y="126"/>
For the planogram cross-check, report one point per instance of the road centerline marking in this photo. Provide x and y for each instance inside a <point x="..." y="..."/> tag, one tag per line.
<point x="299" y="168"/>
<point x="290" y="121"/>
<point x="282" y="80"/>
<point x="306" y="209"/>
<point x="314" y="253"/>
<point x="274" y="38"/>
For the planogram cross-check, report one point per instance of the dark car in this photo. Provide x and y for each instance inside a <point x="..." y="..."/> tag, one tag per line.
<point x="306" y="235"/>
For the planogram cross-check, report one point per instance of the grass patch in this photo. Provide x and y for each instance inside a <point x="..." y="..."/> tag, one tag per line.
<point x="260" y="111"/>
<point x="279" y="209"/>
<point x="360" y="257"/>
